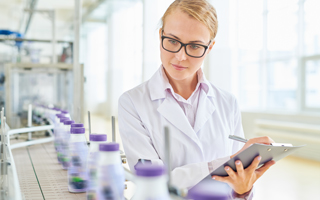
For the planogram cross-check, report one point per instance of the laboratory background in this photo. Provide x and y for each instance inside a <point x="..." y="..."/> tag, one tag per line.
<point x="77" y="57"/>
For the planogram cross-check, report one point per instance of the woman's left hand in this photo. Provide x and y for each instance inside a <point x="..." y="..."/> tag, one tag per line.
<point x="243" y="180"/>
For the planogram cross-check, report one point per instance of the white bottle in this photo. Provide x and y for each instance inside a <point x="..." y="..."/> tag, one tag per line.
<point x="110" y="172"/>
<point x="78" y="153"/>
<point x="57" y="119"/>
<point x="65" y="137"/>
<point x="66" y="113"/>
<point x="151" y="182"/>
<point x="210" y="189"/>
<point x="58" y="129"/>
<point x="95" y="140"/>
<point x="53" y="112"/>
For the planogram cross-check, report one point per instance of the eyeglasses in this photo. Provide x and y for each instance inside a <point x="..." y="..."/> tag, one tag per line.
<point x="191" y="49"/>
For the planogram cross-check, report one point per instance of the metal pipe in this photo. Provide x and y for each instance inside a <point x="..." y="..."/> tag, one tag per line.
<point x="2" y="124"/>
<point x="29" y="121"/>
<point x="89" y="123"/>
<point x="76" y="65"/>
<point x="33" y="40"/>
<point x="17" y="190"/>
<point x="32" y="6"/>
<point x="32" y="129"/>
<point x="6" y="147"/>
<point x="2" y="143"/>
<point x="28" y="143"/>
<point x="113" y="129"/>
<point x="53" y="18"/>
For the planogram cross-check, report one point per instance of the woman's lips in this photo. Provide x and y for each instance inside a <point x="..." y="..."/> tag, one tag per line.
<point x="179" y="67"/>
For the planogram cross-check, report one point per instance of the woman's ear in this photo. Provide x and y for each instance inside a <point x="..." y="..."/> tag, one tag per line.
<point x="160" y="33"/>
<point x="211" y="45"/>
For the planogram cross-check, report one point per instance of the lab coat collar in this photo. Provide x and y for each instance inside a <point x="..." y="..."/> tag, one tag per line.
<point x="170" y="109"/>
<point x="159" y="83"/>
<point x="204" y="112"/>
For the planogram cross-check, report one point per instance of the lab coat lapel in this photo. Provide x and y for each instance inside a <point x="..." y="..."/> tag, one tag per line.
<point x="204" y="111"/>
<point x="171" y="110"/>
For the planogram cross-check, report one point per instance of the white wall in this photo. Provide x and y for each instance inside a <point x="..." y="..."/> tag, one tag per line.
<point x="249" y="117"/>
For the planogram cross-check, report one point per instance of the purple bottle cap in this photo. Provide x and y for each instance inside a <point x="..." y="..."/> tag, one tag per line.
<point x="76" y="125"/>
<point x="64" y="112"/>
<point x="77" y="130"/>
<point x="60" y="115"/>
<point x="63" y="119"/>
<point x="149" y="170"/>
<point x="98" y="137"/>
<point x="112" y="146"/>
<point x="68" y="122"/>
<point x="209" y="190"/>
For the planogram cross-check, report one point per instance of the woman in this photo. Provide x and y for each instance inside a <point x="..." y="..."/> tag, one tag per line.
<point x="199" y="115"/>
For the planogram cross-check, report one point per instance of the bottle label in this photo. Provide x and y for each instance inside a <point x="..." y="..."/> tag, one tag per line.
<point x="92" y="175"/>
<point x="111" y="182"/>
<point x="64" y="149"/>
<point x="57" y="143"/>
<point x="77" y="173"/>
<point x="65" y="160"/>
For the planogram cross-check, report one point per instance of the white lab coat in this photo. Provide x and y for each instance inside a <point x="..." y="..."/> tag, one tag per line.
<point x="145" y="110"/>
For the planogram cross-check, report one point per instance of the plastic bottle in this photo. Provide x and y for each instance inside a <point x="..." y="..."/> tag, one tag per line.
<point x="66" y="113"/>
<point x="110" y="172"/>
<point x="209" y="189"/>
<point x="65" y="136"/>
<point x="151" y="183"/>
<point x="58" y="131"/>
<point x="53" y="112"/>
<point x="95" y="140"/>
<point x="78" y="153"/>
<point x="57" y="118"/>
<point x="76" y="126"/>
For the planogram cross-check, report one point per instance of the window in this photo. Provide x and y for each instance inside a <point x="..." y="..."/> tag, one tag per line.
<point x="279" y="55"/>
<point x="312" y="87"/>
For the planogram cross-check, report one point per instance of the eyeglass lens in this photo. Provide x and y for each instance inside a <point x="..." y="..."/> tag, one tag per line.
<point x="191" y="49"/>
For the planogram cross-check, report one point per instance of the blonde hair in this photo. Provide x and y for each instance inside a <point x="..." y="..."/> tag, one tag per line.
<point x="200" y="10"/>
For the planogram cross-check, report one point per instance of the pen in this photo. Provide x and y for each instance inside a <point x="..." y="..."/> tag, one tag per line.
<point x="237" y="138"/>
<point x="240" y="139"/>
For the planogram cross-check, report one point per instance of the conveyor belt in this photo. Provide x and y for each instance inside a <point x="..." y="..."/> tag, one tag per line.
<point x="40" y="174"/>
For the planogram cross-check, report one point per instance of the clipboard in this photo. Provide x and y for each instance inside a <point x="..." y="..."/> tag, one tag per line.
<point x="267" y="153"/>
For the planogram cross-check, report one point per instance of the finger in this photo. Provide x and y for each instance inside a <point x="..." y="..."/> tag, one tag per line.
<point x="262" y="140"/>
<point x="239" y="167"/>
<point x="221" y="179"/>
<point x="230" y="172"/>
<point x="265" y="167"/>
<point x="255" y="163"/>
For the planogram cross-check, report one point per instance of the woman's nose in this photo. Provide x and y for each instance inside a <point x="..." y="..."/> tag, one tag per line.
<point x="181" y="55"/>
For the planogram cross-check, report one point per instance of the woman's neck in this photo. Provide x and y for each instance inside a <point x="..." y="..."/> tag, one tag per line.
<point x="185" y="87"/>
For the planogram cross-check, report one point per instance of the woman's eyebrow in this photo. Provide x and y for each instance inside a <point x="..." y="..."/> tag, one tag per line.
<point x="194" y="41"/>
<point x="197" y="41"/>
<point x="174" y="36"/>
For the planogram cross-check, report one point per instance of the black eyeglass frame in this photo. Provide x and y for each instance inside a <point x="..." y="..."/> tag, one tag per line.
<point x="183" y="45"/>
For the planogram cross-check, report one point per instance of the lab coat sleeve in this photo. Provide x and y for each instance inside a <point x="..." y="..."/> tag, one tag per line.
<point x="136" y="141"/>
<point x="138" y="145"/>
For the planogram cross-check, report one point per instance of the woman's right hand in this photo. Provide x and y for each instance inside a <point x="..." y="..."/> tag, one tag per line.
<point x="242" y="180"/>
<point x="262" y="140"/>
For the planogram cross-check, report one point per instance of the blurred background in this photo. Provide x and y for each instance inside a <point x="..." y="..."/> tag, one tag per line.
<point x="267" y="53"/>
